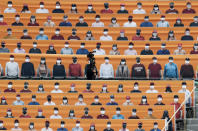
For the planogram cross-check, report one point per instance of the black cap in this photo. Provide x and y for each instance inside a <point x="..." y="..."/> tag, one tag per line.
<point x="146" y="17"/>
<point x="184" y="83"/>
<point x="106" y="30"/>
<point x="33" y="96"/>
<point x="71" y="111"/>
<point x="62" y="122"/>
<point x="118" y="109"/>
<point x="108" y="122"/>
<point x="106" y="58"/>
<point x="188" y="59"/>
<point x="170" y="58"/>
<point x="73" y="5"/>
<point x="134" y="110"/>
<point x="82" y="43"/>
<point x="176" y="96"/>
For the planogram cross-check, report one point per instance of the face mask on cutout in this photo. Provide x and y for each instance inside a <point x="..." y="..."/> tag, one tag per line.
<point x="17" y="18"/>
<point x="57" y="6"/>
<point x="123" y="62"/>
<point x="176" y="100"/>
<point x="136" y="87"/>
<point x="27" y="60"/>
<point x="9" y="5"/>
<point x="41" y="6"/>
<point x="1" y="19"/>
<point x="11" y="59"/>
<point x="90" y="7"/>
<point x="187" y="62"/>
<point x="159" y="99"/>
<point x="122" y="8"/>
<point x="66" y="45"/>
<point x="106" y="61"/>
<point x="97" y="19"/>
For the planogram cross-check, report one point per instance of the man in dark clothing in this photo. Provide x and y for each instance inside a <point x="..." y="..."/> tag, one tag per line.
<point x="154" y="70"/>
<point x="88" y="89"/>
<point x="35" y="50"/>
<point x="4" y="49"/>
<point x="26" y="89"/>
<point x="75" y="68"/>
<point x="25" y="35"/>
<point x="58" y="8"/>
<point x="102" y="114"/>
<point x="134" y="116"/>
<point x="138" y="70"/>
<point x="24" y="115"/>
<point x="195" y="23"/>
<point x="17" y="21"/>
<point x="159" y="100"/>
<point x="163" y="50"/>
<point x="90" y="10"/>
<point x="33" y="102"/>
<point x="147" y="50"/>
<point x="189" y="9"/>
<point x="122" y="9"/>
<point x="65" y="21"/>
<point x="187" y="71"/>
<point x="195" y="49"/>
<point x="172" y="10"/>
<point x="40" y="114"/>
<point x="27" y="69"/>
<point x="187" y="35"/>
<point x="59" y="69"/>
<point x="73" y="36"/>
<point x="82" y="50"/>
<point x="57" y="35"/>
<point x="136" y="88"/>
<point x="10" y="89"/>
<point x="138" y="35"/>
<point x="96" y="101"/>
<point x="1" y="126"/>
<point x="108" y="127"/>
<point x="122" y="36"/>
<point x="81" y="22"/>
<point x="86" y="115"/>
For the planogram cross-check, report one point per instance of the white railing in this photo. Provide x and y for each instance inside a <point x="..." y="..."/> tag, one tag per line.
<point x="183" y="103"/>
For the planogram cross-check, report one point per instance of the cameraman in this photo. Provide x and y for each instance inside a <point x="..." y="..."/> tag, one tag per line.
<point x="90" y="69"/>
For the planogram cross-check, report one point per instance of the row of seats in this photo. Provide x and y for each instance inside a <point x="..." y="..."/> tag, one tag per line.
<point x="44" y="47"/>
<point x="113" y="5"/>
<point x="96" y="86"/>
<point x="69" y="124"/>
<point x="88" y="98"/>
<point x="114" y="60"/>
<point x="17" y="32"/>
<point x="107" y="20"/>
<point x="94" y="111"/>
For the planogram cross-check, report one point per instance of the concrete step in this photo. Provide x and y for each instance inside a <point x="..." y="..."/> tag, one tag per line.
<point x="192" y="127"/>
<point x="192" y="122"/>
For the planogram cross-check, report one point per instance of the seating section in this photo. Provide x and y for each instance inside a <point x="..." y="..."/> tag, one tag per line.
<point x="99" y="5"/>
<point x="143" y="111"/>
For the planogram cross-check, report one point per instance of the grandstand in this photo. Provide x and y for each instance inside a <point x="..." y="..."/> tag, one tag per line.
<point x="146" y="65"/>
